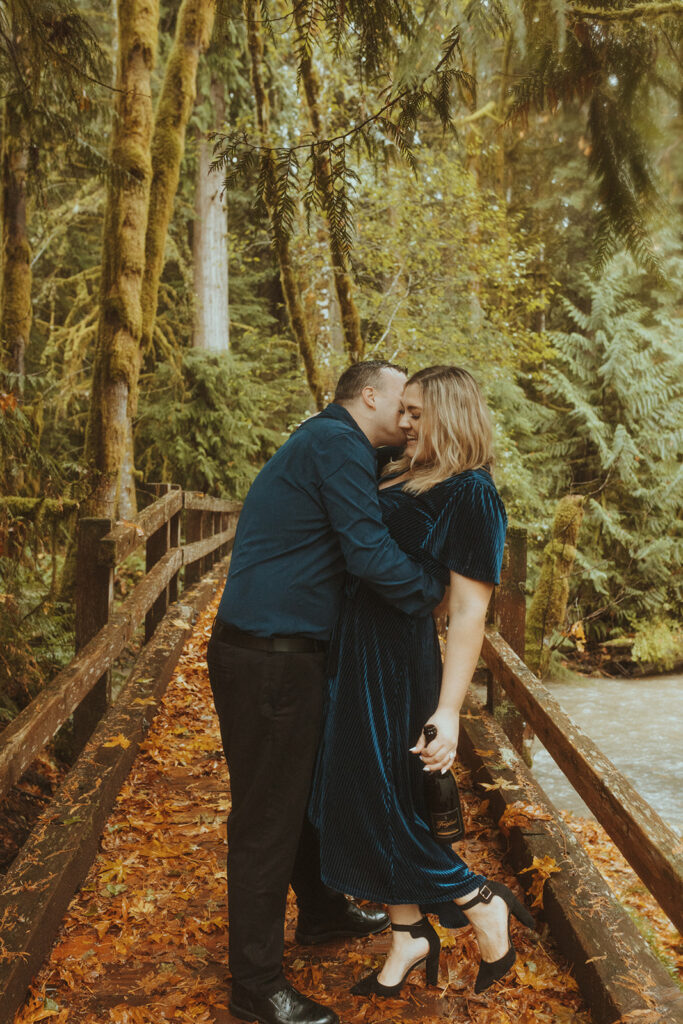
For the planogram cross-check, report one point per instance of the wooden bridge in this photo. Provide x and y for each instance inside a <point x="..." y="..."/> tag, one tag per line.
<point x="512" y="825"/>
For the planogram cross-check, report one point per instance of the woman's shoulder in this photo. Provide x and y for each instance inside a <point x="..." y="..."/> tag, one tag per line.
<point x="466" y="484"/>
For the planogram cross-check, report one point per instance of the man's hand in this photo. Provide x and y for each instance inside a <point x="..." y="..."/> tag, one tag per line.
<point x="439" y="755"/>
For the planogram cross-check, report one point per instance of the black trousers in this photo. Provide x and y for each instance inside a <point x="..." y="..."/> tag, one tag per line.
<point x="270" y="710"/>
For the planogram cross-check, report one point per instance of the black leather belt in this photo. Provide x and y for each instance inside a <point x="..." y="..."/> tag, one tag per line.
<point x="276" y="644"/>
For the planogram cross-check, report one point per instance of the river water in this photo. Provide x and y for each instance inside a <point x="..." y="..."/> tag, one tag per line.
<point x="638" y="724"/>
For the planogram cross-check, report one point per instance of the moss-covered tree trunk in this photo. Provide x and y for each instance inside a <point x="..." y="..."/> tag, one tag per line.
<point x="117" y="352"/>
<point x="16" y="251"/>
<point x="343" y="283"/>
<point x="178" y="91"/>
<point x="290" y="286"/>
<point x="548" y="606"/>
<point x="210" y="245"/>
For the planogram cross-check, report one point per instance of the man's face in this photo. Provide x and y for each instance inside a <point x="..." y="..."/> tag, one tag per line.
<point x="389" y="409"/>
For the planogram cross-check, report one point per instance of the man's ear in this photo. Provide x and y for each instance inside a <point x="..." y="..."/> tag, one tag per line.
<point x="368" y="396"/>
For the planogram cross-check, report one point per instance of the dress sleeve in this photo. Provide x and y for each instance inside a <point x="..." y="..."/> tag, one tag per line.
<point x="468" y="535"/>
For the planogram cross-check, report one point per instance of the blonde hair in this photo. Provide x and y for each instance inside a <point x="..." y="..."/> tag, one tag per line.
<point x="455" y="429"/>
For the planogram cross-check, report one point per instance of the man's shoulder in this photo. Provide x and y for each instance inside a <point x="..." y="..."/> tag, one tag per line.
<point x="334" y="439"/>
<point x="321" y="428"/>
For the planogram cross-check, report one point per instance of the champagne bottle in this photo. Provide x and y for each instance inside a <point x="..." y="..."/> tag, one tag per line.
<point x="443" y="801"/>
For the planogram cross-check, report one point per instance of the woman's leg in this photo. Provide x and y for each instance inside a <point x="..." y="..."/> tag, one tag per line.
<point x="490" y="923"/>
<point x="404" y="949"/>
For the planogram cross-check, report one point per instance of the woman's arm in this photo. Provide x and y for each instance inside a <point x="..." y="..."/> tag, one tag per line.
<point x="467" y="606"/>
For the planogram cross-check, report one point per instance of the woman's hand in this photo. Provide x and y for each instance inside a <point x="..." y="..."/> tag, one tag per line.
<point x="439" y="755"/>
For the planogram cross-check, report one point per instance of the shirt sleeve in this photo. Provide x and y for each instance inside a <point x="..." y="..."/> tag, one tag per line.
<point x="468" y="535"/>
<point x="351" y="500"/>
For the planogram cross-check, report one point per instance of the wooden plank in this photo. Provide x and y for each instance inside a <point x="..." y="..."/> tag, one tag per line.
<point x="126" y="537"/>
<point x="94" y="603"/>
<point x="26" y="736"/>
<point x="619" y="976"/>
<point x="200" y="502"/>
<point x="653" y="849"/>
<point x="33" y="898"/>
<point x="201" y="548"/>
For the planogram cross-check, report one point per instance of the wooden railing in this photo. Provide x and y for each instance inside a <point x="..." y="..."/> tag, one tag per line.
<point x="516" y="696"/>
<point x="82" y="689"/>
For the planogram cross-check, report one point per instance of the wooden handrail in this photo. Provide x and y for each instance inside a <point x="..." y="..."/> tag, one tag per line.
<point x="23" y="739"/>
<point x="200" y="548"/>
<point x="652" y="849"/>
<point x="26" y="736"/>
<point x="200" y="502"/>
<point x="127" y="537"/>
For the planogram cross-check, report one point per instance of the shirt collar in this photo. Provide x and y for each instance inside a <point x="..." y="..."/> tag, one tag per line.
<point x="337" y="412"/>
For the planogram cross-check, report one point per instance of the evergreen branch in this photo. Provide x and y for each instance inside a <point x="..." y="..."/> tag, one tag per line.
<point x="407" y="96"/>
<point x="624" y="14"/>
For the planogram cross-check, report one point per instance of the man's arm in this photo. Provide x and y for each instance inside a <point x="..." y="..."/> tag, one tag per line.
<point x="352" y="504"/>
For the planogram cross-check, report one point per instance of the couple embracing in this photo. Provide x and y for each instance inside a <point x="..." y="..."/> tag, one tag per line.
<point x="325" y="667"/>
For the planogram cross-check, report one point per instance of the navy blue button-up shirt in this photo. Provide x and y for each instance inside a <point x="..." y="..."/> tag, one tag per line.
<point x="311" y="515"/>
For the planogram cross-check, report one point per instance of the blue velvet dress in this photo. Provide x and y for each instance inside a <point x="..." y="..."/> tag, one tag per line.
<point x="385" y="673"/>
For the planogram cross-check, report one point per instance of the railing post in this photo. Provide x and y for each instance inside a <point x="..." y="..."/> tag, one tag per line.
<point x="193" y="532"/>
<point x="509" y="616"/>
<point x="207" y="527"/>
<point x="94" y="601"/>
<point x="156" y="547"/>
<point x="217" y="518"/>
<point x="174" y="542"/>
<point x="224" y="523"/>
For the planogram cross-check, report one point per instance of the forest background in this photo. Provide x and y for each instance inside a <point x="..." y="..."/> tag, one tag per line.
<point x="493" y="184"/>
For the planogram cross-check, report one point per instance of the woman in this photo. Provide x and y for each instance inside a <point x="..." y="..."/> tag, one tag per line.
<point x="441" y="505"/>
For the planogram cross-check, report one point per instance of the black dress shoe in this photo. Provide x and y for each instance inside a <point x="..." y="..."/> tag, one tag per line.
<point x="348" y="921"/>
<point x="286" y="1006"/>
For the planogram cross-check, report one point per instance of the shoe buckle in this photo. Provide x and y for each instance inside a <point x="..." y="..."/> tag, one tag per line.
<point x="485" y="894"/>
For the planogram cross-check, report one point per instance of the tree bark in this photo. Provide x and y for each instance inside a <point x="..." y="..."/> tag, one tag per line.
<point x="290" y="286"/>
<point x="210" y="247"/>
<point x="350" y="318"/>
<point x="117" y="353"/>
<point x="16" y="251"/>
<point x="178" y="92"/>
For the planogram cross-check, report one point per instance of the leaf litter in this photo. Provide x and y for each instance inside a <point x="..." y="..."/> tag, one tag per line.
<point x="145" y="940"/>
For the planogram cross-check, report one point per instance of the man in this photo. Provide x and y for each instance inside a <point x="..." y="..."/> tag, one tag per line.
<point x="311" y="515"/>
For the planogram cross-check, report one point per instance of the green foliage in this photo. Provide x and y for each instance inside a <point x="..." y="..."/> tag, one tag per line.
<point x="445" y="273"/>
<point x="613" y="64"/>
<point x="658" y="644"/>
<point x="212" y="425"/>
<point x="285" y="174"/>
<point x="617" y="392"/>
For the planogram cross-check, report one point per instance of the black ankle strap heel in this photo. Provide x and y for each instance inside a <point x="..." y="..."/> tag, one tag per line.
<point x="422" y="929"/>
<point x="491" y="971"/>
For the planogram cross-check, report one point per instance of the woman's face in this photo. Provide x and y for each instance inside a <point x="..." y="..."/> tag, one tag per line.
<point x="410" y="421"/>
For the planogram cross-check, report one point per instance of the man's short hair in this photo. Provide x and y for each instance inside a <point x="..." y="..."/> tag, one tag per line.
<point x="362" y="375"/>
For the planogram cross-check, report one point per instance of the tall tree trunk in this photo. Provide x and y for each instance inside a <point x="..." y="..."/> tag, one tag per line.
<point x="178" y="92"/>
<point x="117" y="352"/>
<point x="210" y="246"/>
<point x="350" y="318"/>
<point x="290" y="287"/>
<point x="193" y="31"/>
<point x="473" y="145"/>
<point x="16" y="251"/>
